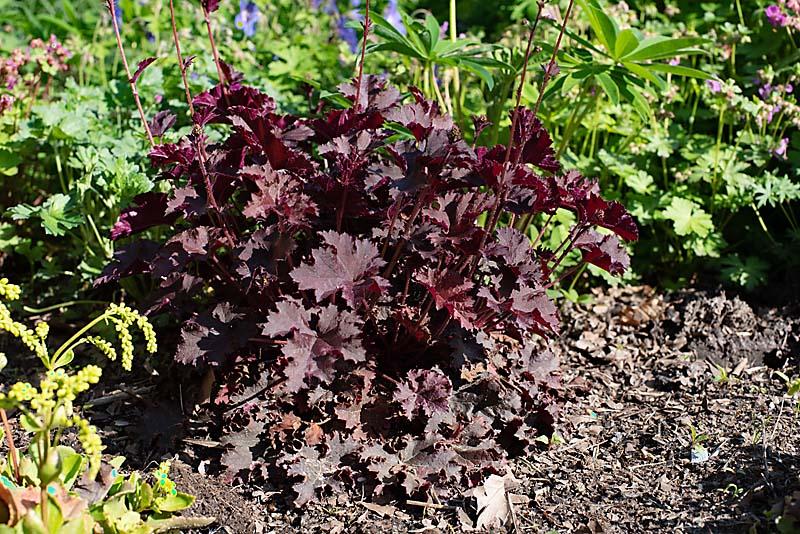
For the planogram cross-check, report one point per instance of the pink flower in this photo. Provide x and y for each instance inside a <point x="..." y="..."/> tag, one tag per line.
<point x="715" y="86"/>
<point x="775" y="16"/>
<point x="782" y="147"/>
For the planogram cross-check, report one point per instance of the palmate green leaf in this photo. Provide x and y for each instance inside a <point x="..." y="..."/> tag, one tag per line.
<point x="750" y="273"/>
<point x="56" y="214"/>
<point x="661" y="47"/>
<point x="688" y="218"/>
<point x="478" y="70"/>
<point x="413" y="32"/>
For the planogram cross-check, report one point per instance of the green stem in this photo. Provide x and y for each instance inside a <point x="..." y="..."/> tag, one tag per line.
<point x="436" y="90"/>
<point x="60" y="305"/>
<point x="71" y="342"/>
<point x="739" y="10"/>
<point x="762" y="223"/>
<point x="720" y="128"/>
<point x="59" y="169"/>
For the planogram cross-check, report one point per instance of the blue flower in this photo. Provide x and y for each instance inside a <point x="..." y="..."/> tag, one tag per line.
<point x="247" y="18"/>
<point x="117" y="12"/>
<point x="392" y="15"/>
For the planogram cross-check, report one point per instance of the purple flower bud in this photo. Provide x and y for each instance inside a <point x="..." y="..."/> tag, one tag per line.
<point x="551" y="69"/>
<point x="765" y="90"/>
<point x="775" y="16"/>
<point x="788" y="88"/>
<point x="715" y="86"/>
<point x="675" y="61"/>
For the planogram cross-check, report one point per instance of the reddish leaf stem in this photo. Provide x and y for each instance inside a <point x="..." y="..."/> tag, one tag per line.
<point x="367" y="23"/>
<point x="131" y="81"/>
<point x="548" y="71"/>
<point x="12" y="450"/>
<point x="180" y="58"/>
<point x="222" y="79"/>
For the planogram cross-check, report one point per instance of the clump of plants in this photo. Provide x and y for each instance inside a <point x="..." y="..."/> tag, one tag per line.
<point x="27" y="72"/>
<point x="52" y="488"/>
<point x="355" y="282"/>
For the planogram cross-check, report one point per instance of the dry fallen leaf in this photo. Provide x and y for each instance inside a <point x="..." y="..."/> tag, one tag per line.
<point x="493" y="500"/>
<point x="384" y="510"/>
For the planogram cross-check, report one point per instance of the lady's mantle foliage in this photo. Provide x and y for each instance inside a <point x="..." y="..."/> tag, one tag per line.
<point x="346" y="270"/>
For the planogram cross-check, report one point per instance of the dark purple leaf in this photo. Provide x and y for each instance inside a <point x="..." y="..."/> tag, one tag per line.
<point x="143" y="64"/>
<point x="163" y="121"/>
<point x="347" y="265"/>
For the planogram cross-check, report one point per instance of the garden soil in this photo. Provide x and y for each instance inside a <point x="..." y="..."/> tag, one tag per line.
<point x="643" y="373"/>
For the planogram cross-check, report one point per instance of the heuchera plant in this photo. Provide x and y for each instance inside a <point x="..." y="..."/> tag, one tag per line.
<point x="356" y="282"/>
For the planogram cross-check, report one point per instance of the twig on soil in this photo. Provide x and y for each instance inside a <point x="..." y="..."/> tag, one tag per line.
<point x="432" y="505"/>
<point x="119" y="395"/>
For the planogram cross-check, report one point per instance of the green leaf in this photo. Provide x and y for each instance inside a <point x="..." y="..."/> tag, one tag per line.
<point x="627" y="42"/>
<point x="631" y="93"/>
<point x="56" y="214"/>
<point x="646" y="74"/>
<point x="396" y="41"/>
<point x="72" y="465"/>
<point x="609" y="86"/>
<point x="688" y="217"/>
<point x="174" y="503"/>
<point x="432" y="25"/>
<point x="8" y="162"/>
<point x="659" y="47"/>
<point x="679" y="70"/>
<point x="604" y="27"/>
<point x="480" y="71"/>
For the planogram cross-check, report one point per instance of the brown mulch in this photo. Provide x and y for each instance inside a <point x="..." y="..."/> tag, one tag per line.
<point x="642" y="370"/>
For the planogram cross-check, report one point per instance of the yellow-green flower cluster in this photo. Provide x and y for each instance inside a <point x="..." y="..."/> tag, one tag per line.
<point x="42" y="330"/>
<point x="103" y="346"/>
<point x="164" y="485"/>
<point x="57" y="388"/>
<point x="20" y="393"/>
<point x="91" y="443"/>
<point x="9" y="291"/>
<point x="29" y="337"/>
<point x="124" y="317"/>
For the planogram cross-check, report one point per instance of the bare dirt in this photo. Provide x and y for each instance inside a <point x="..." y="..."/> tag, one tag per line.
<point x="642" y="370"/>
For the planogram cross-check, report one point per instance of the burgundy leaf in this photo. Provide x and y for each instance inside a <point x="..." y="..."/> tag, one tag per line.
<point x="451" y="292"/>
<point x="604" y="251"/>
<point x="347" y="265"/>
<point x="163" y="121"/>
<point x="425" y="392"/>
<point x="149" y="210"/>
<point x="143" y="64"/>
